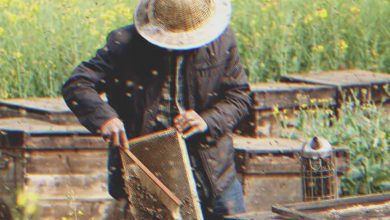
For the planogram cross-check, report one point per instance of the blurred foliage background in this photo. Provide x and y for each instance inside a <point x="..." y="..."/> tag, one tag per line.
<point x="41" y="41"/>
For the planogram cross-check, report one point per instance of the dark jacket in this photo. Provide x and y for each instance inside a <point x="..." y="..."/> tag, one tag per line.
<point x="131" y="72"/>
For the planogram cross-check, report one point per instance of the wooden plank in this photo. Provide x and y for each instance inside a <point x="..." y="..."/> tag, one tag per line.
<point x="47" y="109"/>
<point x="291" y="213"/>
<point x="265" y="156"/>
<point x="291" y="95"/>
<point x="325" y="204"/>
<point x="266" y="145"/>
<point x="261" y="191"/>
<point x="366" y="206"/>
<point x="33" y="126"/>
<point x="340" y="78"/>
<point x="57" y="118"/>
<point x="280" y="86"/>
<point x="267" y="122"/>
<point x="46" y="105"/>
<point x="65" y="141"/>
<point x="272" y="164"/>
<point x="35" y="134"/>
<point x="66" y="162"/>
<point x="365" y="86"/>
<point x="79" y="185"/>
<point x="264" y="215"/>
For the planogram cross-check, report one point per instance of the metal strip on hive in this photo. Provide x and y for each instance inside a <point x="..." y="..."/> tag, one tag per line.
<point x="165" y="154"/>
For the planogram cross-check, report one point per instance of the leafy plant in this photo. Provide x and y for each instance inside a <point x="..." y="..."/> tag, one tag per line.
<point x="365" y="130"/>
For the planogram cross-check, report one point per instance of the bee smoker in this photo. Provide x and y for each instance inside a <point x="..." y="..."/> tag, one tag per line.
<point x="318" y="170"/>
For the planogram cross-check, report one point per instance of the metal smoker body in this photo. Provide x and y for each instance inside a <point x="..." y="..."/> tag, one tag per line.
<point x="319" y="180"/>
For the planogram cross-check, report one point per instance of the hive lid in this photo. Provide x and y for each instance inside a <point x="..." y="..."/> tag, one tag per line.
<point x="266" y="145"/>
<point x="272" y="145"/>
<point x="340" y="78"/>
<point x="38" y="127"/>
<point x="37" y="134"/>
<point x="282" y="86"/>
<point x="52" y="105"/>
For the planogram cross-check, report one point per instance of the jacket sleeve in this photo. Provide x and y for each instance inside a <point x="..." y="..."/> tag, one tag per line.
<point x="235" y="101"/>
<point x="81" y="91"/>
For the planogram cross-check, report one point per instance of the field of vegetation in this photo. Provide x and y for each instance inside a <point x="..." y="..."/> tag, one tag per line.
<point x="41" y="41"/>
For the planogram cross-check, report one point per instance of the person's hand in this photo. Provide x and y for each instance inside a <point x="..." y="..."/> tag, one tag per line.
<point x="189" y="123"/>
<point x="114" y="130"/>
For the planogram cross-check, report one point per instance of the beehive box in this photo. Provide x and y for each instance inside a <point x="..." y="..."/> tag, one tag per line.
<point x="48" y="109"/>
<point x="272" y="100"/>
<point x="64" y="164"/>
<point x="270" y="170"/>
<point x="351" y="85"/>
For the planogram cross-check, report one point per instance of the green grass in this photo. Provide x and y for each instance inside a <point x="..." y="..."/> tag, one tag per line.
<point x="42" y="41"/>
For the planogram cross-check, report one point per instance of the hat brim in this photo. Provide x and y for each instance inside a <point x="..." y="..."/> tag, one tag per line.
<point x="204" y="34"/>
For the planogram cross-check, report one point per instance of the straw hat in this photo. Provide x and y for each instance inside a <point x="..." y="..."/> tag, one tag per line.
<point x="182" y="24"/>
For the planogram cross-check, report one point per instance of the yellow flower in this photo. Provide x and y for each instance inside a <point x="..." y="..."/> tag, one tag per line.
<point x="31" y="208"/>
<point x="17" y="55"/>
<point x="108" y="17"/>
<point x="354" y="10"/>
<point x="374" y="53"/>
<point x="11" y="17"/>
<point x="307" y="19"/>
<point x="319" y="48"/>
<point x="21" y="199"/>
<point x="265" y="7"/>
<point x="322" y="13"/>
<point x="35" y="8"/>
<point x="275" y="109"/>
<point x="342" y="45"/>
<point x="94" y="32"/>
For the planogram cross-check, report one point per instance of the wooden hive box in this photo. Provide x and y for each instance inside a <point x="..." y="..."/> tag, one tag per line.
<point x="288" y="98"/>
<point x="364" y="85"/>
<point x="64" y="164"/>
<point x="48" y="109"/>
<point x="270" y="170"/>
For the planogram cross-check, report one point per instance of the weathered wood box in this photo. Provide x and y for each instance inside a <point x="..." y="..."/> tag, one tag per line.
<point x="351" y="85"/>
<point x="64" y="164"/>
<point x="270" y="170"/>
<point x="271" y="100"/>
<point x="48" y="109"/>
